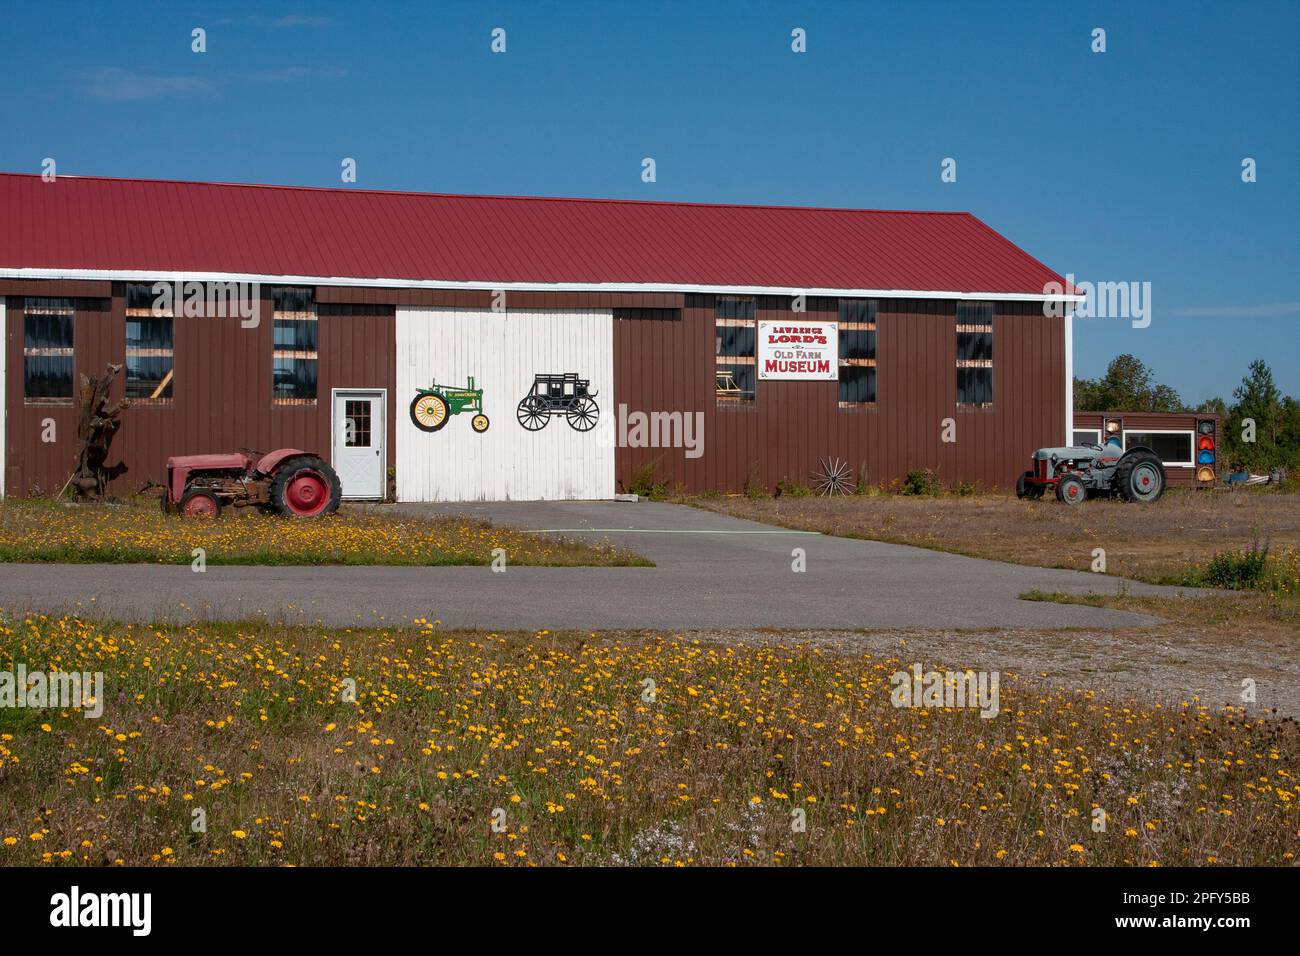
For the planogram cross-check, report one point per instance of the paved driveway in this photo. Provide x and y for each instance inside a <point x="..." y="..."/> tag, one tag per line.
<point x="712" y="571"/>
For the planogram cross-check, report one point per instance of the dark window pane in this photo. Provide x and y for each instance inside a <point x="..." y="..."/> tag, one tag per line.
<point x="974" y="345"/>
<point x="974" y="386"/>
<point x="1086" y="437"/>
<point x="295" y="335"/>
<point x="294" y="377"/>
<point x="857" y="310"/>
<point x="726" y="308"/>
<point x="857" y="383"/>
<point x="140" y="295"/>
<point x="42" y="331"/>
<point x="357" y="415"/>
<point x="293" y="300"/>
<point x="735" y="383"/>
<point x="735" y="340"/>
<point x="857" y="344"/>
<point x="1176" y="447"/>
<point x="144" y="373"/>
<point x="974" y="313"/>
<point x="148" y="333"/>
<point x="47" y="376"/>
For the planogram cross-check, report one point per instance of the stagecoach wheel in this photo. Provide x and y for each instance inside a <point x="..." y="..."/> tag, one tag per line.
<point x="305" y="487"/>
<point x="532" y="413"/>
<point x="1071" y="490"/>
<point x="583" y="415"/>
<point x="835" y="478"/>
<point x="197" y="503"/>
<point x="1141" y="477"/>
<point x="479" y="423"/>
<point x="429" y="412"/>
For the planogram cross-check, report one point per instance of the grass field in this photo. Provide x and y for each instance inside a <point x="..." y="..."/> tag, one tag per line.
<point x="562" y="740"/>
<point x="1171" y="541"/>
<point x="46" y="531"/>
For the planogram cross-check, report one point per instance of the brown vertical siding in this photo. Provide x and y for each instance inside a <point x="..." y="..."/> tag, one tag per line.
<point x="663" y="361"/>
<point x="221" y="393"/>
<point x="668" y="366"/>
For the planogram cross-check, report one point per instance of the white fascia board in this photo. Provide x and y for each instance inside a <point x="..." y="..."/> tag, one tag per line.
<point x="1069" y="379"/>
<point x="138" y="275"/>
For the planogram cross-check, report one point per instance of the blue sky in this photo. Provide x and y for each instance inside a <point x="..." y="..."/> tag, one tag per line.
<point x="1119" y="166"/>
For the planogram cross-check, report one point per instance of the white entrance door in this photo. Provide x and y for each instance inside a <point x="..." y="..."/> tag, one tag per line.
<point x="360" y="427"/>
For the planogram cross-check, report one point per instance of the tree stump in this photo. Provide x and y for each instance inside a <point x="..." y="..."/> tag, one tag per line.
<point x="97" y="423"/>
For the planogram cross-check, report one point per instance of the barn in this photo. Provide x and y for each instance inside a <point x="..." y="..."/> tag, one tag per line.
<point x="447" y="347"/>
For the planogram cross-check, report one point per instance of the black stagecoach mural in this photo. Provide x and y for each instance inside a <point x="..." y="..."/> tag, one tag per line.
<point x="559" y="394"/>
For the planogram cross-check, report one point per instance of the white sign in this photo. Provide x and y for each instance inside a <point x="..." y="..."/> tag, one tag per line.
<point x="807" y="351"/>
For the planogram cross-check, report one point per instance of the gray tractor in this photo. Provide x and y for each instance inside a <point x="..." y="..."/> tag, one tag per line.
<point x="1137" y="474"/>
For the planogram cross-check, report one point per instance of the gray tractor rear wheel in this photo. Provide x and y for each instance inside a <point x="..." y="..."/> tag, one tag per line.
<point x="1140" y="476"/>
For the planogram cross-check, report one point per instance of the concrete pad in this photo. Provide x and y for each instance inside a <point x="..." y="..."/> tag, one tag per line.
<point x="713" y="571"/>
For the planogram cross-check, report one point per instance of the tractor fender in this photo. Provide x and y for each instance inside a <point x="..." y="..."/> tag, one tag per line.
<point x="1135" y="449"/>
<point x="1129" y="453"/>
<point x="269" y="462"/>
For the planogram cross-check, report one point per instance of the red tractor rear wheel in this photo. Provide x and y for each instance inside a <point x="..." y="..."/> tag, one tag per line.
<point x="305" y="487"/>
<point x="200" y="503"/>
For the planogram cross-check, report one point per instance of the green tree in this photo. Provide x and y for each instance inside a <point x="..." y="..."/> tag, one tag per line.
<point x="1289" y="433"/>
<point x="1128" y="385"/>
<point x="1257" y="408"/>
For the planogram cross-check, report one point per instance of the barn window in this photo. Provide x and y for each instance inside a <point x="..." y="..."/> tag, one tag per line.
<point x="149" y="349"/>
<point x="1171" y="447"/>
<point x="293" y="365"/>
<point x="47" y="349"/>
<point x="857" y="333"/>
<point x="975" y="353"/>
<point x="735" y="340"/>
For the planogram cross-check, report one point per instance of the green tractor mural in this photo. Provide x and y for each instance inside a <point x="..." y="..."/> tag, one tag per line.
<point x="433" y="406"/>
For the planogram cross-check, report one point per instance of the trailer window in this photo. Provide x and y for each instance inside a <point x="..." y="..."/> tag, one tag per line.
<point x="975" y="354"/>
<point x="293" y="363"/>
<point x="1086" y="436"/>
<point x="1171" y="447"/>
<point x="735" y="364"/>
<point x="857" y="335"/>
<point x="48" y="349"/>
<point x="149" y="347"/>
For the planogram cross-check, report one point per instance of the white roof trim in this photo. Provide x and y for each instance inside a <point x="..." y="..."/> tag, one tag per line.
<point x="137" y="275"/>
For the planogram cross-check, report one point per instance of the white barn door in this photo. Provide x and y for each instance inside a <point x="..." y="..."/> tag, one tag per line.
<point x="504" y="353"/>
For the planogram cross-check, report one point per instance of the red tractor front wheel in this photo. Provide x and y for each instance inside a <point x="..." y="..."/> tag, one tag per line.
<point x="305" y="487"/>
<point x="198" y="503"/>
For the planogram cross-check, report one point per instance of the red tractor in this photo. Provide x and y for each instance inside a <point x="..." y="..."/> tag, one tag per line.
<point x="286" y="481"/>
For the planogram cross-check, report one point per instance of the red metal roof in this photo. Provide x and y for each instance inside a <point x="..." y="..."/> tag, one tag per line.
<point x="150" y="226"/>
